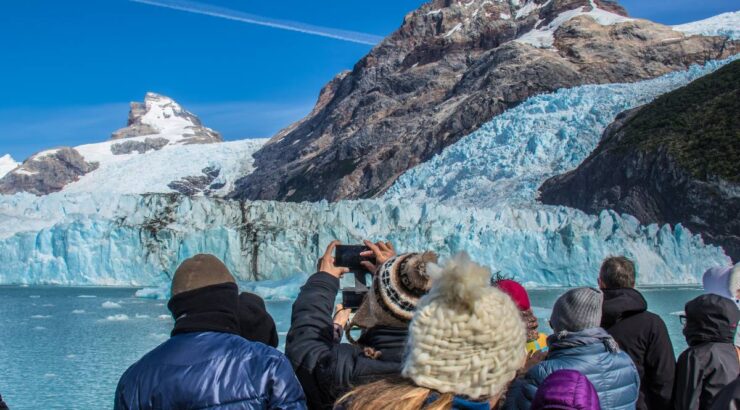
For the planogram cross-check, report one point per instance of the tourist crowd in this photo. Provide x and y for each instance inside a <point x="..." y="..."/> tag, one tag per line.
<point x="435" y="336"/>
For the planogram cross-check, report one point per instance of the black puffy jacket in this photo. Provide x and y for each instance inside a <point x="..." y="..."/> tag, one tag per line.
<point x="644" y="336"/>
<point x="326" y="368"/>
<point x="711" y="361"/>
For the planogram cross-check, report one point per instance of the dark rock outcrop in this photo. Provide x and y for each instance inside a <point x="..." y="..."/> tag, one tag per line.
<point x="452" y="66"/>
<point x="675" y="160"/>
<point x="197" y="184"/>
<point x="149" y="144"/>
<point x="47" y="172"/>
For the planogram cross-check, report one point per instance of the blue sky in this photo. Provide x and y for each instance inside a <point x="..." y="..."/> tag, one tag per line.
<point x="71" y="67"/>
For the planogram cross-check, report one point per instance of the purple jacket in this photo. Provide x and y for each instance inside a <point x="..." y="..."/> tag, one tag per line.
<point x="566" y="389"/>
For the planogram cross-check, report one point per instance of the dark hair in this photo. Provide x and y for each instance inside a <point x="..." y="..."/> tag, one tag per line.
<point x="617" y="272"/>
<point x="499" y="276"/>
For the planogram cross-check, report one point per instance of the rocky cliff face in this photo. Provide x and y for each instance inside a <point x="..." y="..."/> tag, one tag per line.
<point x="450" y="67"/>
<point x="160" y="115"/>
<point x="676" y="160"/>
<point x="46" y="172"/>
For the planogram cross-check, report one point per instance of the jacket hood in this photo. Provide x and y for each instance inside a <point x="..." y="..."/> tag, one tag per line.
<point x="565" y="340"/>
<point x="723" y="281"/>
<point x="619" y="304"/>
<point x="711" y="318"/>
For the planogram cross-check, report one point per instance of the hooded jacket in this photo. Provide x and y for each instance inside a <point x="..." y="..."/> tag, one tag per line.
<point x="566" y="389"/>
<point x="206" y="364"/>
<point x="593" y="353"/>
<point x="644" y="337"/>
<point x="711" y="361"/>
<point x="326" y="368"/>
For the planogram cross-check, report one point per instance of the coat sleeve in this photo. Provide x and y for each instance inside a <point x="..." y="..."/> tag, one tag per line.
<point x="521" y="393"/>
<point x="310" y="344"/>
<point x="285" y="392"/>
<point x="660" y="367"/>
<point x="687" y="386"/>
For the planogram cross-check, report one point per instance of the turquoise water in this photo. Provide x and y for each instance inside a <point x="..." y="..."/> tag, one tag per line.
<point x="65" y="348"/>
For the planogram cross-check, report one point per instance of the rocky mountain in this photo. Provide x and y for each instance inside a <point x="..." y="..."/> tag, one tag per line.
<point x="164" y="148"/>
<point x="675" y="160"/>
<point x="159" y="114"/>
<point x="452" y="66"/>
<point x="46" y="172"/>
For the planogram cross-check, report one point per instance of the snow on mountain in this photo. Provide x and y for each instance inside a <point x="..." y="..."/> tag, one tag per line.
<point x="508" y="158"/>
<point x="154" y="171"/>
<point x="725" y="24"/>
<point x="544" y="37"/>
<point x="7" y="164"/>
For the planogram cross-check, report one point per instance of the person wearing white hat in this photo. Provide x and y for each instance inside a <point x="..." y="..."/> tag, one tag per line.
<point x="466" y="343"/>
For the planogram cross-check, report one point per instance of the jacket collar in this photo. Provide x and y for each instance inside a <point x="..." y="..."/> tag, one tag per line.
<point x="620" y="304"/>
<point x="594" y="336"/>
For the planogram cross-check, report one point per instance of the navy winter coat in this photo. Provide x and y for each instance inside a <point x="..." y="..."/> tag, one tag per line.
<point x="594" y="354"/>
<point x="210" y="370"/>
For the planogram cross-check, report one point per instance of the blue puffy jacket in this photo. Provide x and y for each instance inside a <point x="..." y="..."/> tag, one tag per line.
<point x="593" y="353"/>
<point x="210" y="370"/>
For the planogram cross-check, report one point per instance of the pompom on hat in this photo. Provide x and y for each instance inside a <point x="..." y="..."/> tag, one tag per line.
<point x="466" y="337"/>
<point x="397" y="287"/>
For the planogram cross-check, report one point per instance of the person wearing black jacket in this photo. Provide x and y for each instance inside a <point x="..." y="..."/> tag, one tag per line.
<point x="255" y="323"/>
<point x="728" y="398"/>
<point x="711" y="361"/>
<point x="3" y="406"/>
<point x="642" y="334"/>
<point x="327" y="368"/>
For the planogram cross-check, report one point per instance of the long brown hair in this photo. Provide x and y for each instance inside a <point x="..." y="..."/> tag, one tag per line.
<point x="394" y="394"/>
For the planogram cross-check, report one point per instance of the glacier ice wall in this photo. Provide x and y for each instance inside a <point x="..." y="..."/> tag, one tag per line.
<point x="139" y="240"/>
<point x="508" y="158"/>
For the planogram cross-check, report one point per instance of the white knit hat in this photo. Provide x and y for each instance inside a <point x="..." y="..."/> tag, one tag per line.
<point x="466" y="337"/>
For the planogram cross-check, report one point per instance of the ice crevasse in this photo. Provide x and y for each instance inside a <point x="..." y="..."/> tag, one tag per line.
<point x="479" y="195"/>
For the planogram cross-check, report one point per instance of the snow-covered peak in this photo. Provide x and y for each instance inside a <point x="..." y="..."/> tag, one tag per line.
<point x="544" y="36"/>
<point x="725" y="25"/>
<point x="161" y="116"/>
<point x="7" y="164"/>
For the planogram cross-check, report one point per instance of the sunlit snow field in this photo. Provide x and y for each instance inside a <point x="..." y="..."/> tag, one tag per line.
<point x="65" y="348"/>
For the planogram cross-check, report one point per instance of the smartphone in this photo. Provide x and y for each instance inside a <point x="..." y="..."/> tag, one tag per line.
<point x="348" y="256"/>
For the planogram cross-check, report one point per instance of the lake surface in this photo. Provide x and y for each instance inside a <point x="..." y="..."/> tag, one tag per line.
<point x="65" y="348"/>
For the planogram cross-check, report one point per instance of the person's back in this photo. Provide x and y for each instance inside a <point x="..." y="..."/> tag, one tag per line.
<point x="206" y="363"/>
<point x="579" y="344"/>
<point x="728" y="398"/>
<point x="188" y="372"/>
<point x="711" y="361"/>
<point x="566" y="389"/>
<point x="641" y="334"/>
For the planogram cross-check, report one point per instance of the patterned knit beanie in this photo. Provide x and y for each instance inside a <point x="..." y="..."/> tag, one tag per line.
<point x="466" y="337"/>
<point x="577" y="309"/>
<point x="397" y="287"/>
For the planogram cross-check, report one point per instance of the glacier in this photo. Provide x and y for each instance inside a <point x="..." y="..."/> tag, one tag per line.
<point x="7" y="164"/>
<point x="479" y="195"/>
<point x="508" y="158"/>
<point x="725" y="25"/>
<point x="139" y="240"/>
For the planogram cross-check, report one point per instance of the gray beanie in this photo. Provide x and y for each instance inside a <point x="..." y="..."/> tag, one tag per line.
<point x="577" y="309"/>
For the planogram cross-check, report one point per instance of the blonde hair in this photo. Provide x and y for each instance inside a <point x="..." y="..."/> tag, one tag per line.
<point x="394" y="394"/>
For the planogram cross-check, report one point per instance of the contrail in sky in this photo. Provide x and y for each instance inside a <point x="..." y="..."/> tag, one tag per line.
<point x="215" y="11"/>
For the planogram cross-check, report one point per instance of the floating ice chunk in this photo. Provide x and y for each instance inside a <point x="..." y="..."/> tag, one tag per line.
<point x="162" y="292"/>
<point x="40" y="316"/>
<point x="117" y="318"/>
<point x="110" y="305"/>
<point x="139" y="316"/>
<point x="86" y="296"/>
<point x="34" y="296"/>
<point x="78" y="311"/>
<point x="277" y="290"/>
<point x="164" y="317"/>
<point x="50" y="375"/>
<point x="39" y="328"/>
